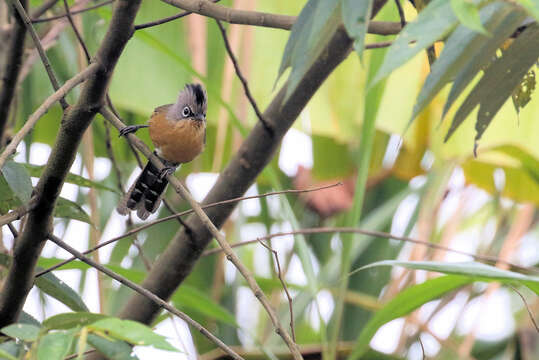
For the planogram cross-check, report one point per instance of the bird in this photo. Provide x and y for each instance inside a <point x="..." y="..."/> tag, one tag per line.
<point x="178" y="132"/>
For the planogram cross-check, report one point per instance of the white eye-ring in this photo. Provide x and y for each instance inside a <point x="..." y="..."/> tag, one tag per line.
<point x="186" y="111"/>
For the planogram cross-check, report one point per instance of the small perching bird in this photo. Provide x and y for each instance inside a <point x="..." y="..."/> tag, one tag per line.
<point x="178" y="132"/>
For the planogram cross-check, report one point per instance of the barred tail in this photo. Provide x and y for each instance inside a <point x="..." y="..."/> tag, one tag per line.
<point x="144" y="195"/>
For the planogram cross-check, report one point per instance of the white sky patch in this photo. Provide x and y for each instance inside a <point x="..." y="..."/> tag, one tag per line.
<point x="386" y="338"/>
<point x="170" y="329"/>
<point x="296" y="149"/>
<point x="295" y="272"/>
<point x="480" y="312"/>
<point x="251" y="207"/>
<point x="199" y="184"/>
<point x="247" y="319"/>
<point x="392" y="151"/>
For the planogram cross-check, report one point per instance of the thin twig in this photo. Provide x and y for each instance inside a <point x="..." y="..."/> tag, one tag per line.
<point x="36" y="20"/>
<point x="324" y="230"/>
<point x="146" y="293"/>
<point x="177" y="215"/>
<point x="37" y="42"/>
<point x="231" y="256"/>
<point x="280" y="275"/>
<point x="77" y="33"/>
<point x="532" y="318"/>
<point x="17" y="213"/>
<point x="167" y="19"/>
<point x="257" y="111"/>
<point x="401" y="13"/>
<point x="421" y="343"/>
<point x="44" y="107"/>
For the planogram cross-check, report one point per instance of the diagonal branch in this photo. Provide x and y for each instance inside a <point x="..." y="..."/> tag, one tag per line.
<point x="242" y="78"/>
<point x="76" y="120"/>
<point x="230" y="255"/>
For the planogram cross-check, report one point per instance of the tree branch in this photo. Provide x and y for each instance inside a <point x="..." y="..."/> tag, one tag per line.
<point x="208" y="224"/>
<point x="18" y="212"/>
<point x="10" y="72"/>
<point x="76" y="120"/>
<point x="285" y="22"/>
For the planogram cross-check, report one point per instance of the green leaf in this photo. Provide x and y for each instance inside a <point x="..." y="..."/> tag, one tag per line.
<point x="37" y="170"/>
<point x="68" y="209"/>
<point x="5" y="355"/>
<point x="71" y="320"/>
<point x="523" y="93"/>
<point x="59" y="290"/>
<point x="316" y="25"/>
<point x="195" y="299"/>
<point x="485" y="51"/>
<point x="474" y="270"/>
<point x="131" y="331"/>
<point x="499" y="81"/>
<point x="468" y="14"/>
<point x="54" y="346"/>
<point x="22" y="331"/>
<point x="26" y="318"/>
<point x="465" y="47"/>
<point x="113" y="350"/>
<point x="11" y="348"/>
<point x="432" y="23"/>
<point x="18" y="180"/>
<point x="355" y="16"/>
<point x="405" y="302"/>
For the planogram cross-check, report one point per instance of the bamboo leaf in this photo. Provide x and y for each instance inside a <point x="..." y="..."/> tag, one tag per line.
<point x="62" y="292"/>
<point x="468" y="15"/>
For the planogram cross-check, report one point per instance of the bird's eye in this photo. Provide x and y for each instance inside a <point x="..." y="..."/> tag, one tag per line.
<point x="186" y="111"/>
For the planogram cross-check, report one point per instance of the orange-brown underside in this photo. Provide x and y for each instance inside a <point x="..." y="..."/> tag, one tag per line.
<point x="178" y="141"/>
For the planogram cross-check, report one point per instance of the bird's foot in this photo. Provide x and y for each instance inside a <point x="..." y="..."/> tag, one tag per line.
<point x="167" y="170"/>
<point x="131" y="129"/>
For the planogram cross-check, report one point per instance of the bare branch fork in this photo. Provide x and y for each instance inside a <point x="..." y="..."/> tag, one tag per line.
<point x="230" y="255"/>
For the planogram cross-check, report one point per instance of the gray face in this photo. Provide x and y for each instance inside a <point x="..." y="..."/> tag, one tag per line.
<point x="192" y="103"/>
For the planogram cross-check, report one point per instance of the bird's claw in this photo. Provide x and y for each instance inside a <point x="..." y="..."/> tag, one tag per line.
<point x="130" y="129"/>
<point x="168" y="170"/>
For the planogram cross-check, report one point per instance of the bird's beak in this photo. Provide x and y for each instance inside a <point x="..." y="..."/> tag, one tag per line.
<point x="200" y="117"/>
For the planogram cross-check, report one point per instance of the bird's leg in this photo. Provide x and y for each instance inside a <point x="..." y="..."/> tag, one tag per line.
<point x="131" y="129"/>
<point x="169" y="168"/>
